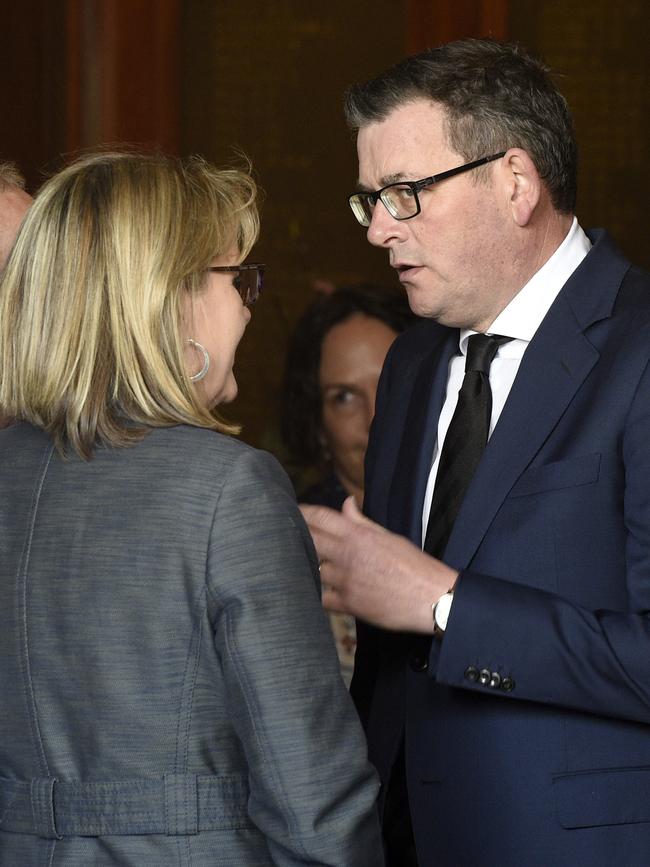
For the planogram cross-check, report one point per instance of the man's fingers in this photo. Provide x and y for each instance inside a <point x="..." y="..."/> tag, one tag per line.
<point x="332" y="600"/>
<point x="321" y="517"/>
<point x="330" y="577"/>
<point x="351" y="511"/>
<point x="325" y="543"/>
<point x="329" y="529"/>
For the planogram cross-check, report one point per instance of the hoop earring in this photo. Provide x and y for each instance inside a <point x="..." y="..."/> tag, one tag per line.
<point x="206" y="360"/>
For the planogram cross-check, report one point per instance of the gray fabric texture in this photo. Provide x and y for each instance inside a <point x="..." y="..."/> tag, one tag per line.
<point x="169" y="686"/>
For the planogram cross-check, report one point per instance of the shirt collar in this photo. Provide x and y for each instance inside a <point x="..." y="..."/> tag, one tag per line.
<point x="521" y="318"/>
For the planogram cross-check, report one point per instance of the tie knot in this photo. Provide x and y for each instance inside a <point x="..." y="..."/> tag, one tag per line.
<point x="481" y="349"/>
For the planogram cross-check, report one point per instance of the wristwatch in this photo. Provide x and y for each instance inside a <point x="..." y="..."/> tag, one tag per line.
<point x="441" y="610"/>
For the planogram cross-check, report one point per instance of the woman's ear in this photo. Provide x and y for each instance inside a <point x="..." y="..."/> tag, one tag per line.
<point x="523" y="183"/>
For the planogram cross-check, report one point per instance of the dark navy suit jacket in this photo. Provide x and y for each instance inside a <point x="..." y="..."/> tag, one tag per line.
<point x="527" y="730"/>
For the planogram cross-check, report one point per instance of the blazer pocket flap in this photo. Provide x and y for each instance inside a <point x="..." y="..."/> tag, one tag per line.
<point x="614" y="797"/>
<point x="571" y="473"/>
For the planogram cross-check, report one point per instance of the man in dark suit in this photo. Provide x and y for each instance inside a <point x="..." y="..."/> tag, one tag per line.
<point x="503" y="673"/>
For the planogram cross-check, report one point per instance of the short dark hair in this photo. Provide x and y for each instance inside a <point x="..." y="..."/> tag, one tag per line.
<point x="496" y="96"/>
<point x="301" y="400"/>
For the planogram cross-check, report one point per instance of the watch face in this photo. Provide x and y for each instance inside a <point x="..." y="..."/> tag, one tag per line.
<point x="443" y="607"/>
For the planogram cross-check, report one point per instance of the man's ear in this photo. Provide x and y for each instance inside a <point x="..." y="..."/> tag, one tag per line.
<point x="524" y="184"/>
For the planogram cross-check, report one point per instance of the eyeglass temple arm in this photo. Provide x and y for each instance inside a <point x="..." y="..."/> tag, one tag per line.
<point x="425" y="182"/>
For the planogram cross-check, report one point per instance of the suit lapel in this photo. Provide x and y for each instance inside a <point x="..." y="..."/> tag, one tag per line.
<point x="552" y="369"/>
<point x="414" y="459"/>
<point x="555" y="365"/>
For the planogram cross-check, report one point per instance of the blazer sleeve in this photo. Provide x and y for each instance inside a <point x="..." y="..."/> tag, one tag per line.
<point x="552" y="650"/>
<point x="312" y="790"/>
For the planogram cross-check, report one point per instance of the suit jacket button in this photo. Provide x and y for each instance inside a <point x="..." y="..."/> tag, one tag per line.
<point x="418" y="663"/>
<point x="471" y="674"/>
<point x="484" y="676"/>
<point x="495" y="680"/>
<point x="507" y="684"/>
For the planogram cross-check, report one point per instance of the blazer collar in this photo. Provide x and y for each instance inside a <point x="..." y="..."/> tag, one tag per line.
<point x="592" y="289"/>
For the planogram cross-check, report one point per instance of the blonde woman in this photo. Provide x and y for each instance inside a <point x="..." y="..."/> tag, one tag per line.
<point x="170" y="693"/>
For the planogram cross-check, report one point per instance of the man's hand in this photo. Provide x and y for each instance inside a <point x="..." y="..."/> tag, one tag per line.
<point x="376" y="575"/>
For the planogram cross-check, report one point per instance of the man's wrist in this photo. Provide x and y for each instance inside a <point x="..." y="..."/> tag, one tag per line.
<point x="440" y="611"/>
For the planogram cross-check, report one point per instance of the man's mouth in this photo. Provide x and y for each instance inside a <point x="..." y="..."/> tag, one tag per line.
<point x="405" y="270"/>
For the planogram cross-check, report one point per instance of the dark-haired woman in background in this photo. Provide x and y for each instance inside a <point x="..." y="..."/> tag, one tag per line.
<point x="333" y="364"/>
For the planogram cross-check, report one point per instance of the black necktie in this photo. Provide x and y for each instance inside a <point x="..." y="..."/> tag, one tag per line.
<point x="465" y="441"/>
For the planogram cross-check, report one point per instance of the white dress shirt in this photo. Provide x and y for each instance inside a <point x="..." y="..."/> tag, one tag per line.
<point x="519" y="320"/>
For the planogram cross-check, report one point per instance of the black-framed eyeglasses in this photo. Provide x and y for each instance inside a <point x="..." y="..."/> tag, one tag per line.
<point x="249" y="281"/>
<point x="401" y="198"/>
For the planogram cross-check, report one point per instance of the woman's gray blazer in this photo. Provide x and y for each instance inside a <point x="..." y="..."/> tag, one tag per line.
<point x="169" y="689"/>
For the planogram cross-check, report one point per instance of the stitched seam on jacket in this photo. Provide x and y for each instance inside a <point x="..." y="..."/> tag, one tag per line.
<point x="23" y="637"/>
<point x="187" y="696"/>
<point x="248" y="693"/>
<point x="255" y="714"/>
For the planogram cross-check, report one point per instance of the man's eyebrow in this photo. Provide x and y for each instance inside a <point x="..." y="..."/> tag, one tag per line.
<point x="383" y="182"/>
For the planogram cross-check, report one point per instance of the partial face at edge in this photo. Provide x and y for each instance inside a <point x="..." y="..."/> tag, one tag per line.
<point x="352" y="356"/>
<point x="14" y="204"/>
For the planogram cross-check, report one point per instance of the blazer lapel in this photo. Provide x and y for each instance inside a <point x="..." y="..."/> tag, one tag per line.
<point x="555" y="365"/>
<point x="409" y="481"/>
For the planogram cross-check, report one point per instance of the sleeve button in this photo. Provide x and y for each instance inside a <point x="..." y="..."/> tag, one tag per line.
<point x="507" y="684"/>
<point x="484" y="676"/>
<point x="471" y="674"/>
<point x="495" y="680"/>
<point x="418" y="663"/>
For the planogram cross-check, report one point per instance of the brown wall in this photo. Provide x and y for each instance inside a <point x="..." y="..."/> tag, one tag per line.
<point x="600" y="51"/>
<point x="32" y="85"/>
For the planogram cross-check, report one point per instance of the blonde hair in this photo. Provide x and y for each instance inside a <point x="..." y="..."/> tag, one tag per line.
<point x="91" y="348"/>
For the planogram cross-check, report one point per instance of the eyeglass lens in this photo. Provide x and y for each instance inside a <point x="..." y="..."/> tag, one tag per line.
<point x="400" y="200"/>
<point x="362" y="208"/>
<point x="248" y="280"/>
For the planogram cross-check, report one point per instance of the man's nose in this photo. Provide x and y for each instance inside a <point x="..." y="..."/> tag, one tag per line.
<point x="384" y="228"/>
